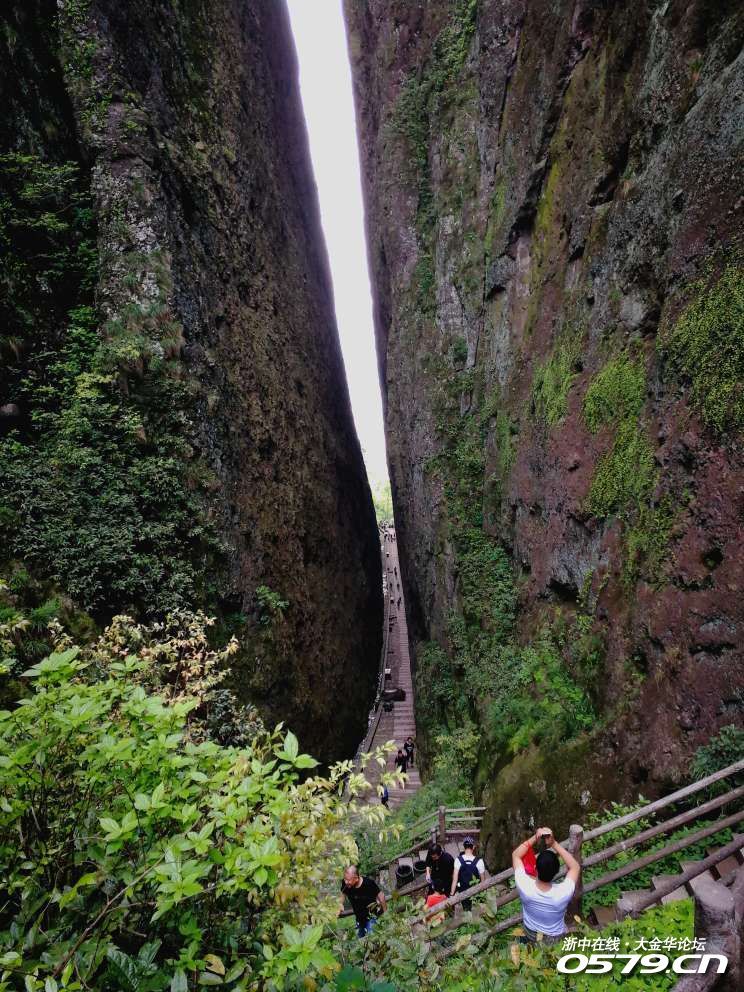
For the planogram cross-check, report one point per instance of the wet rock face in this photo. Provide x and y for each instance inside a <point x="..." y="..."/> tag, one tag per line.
<point x="554" y="201"/>
<point x="213" y="283"/>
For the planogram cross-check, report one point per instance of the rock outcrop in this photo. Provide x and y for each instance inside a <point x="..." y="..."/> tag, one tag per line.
<point x="555" y="212"/>
<point x="176" y="422"/>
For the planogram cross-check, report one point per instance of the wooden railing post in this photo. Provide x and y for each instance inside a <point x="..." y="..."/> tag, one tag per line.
<point x="575" y="838"/>
<point x="393" y="881"/>
<point x="715" y="921"/>
<point x="442" y="824"/>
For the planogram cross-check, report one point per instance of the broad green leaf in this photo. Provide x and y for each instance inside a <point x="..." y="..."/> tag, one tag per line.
<point x="291" y="745"/>
<point x="179" y="982"/>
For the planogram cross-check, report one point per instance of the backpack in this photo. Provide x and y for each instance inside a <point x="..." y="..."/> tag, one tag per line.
<point x="468" y="873"/>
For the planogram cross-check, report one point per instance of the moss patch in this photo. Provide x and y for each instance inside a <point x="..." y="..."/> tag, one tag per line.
<point x="553" y="380"/>
<point x="626" y="478"/>
<point x="617" y="393"/>
<point x="705" y="347"/>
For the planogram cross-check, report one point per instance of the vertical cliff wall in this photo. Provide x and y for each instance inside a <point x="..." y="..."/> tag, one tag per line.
<point x="554" y="207"/>
<point x="176" y="428"/>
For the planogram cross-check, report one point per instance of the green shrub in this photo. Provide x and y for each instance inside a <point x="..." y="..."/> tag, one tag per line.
<point x="271" y="606"/>
<point x="392" y="954"/>
<point x="705" y="347"/>
<point x="626" y="477"/>
<point x="135" y="852"/>
<point x="486" y="584"/>
<point x="536" y="699"/>
<point x="459" y="351"/>
<point x="647" y="540"/>
<point x="726" y="748"/>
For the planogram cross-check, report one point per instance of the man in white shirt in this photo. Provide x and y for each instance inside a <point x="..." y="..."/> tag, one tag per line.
<point x="544" y="902"/>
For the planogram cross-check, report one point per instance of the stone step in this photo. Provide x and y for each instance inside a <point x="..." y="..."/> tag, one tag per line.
<point x="604" y="915"/>
<point x="726" y="867"/>
<point x="679" y="893"/>
<point x="691" y="886"/>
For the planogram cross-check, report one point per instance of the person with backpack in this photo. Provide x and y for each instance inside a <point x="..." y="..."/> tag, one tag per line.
<point x="385" y="797"/>
<point x="469" y="870"/>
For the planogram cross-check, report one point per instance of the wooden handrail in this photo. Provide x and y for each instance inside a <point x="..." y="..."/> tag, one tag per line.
<point x="643" y="902"/>
<point x="609" y="852"/>
<point x="673" y="797"/>
<point x="653" y="897"/>
<point x="377" y="705"/>
<point x="662" y="828"/>
<point x="674" y="848"/>
<point x="507" y="873"/>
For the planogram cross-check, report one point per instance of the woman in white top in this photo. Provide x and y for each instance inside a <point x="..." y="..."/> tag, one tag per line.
<point x="544" y="901"/>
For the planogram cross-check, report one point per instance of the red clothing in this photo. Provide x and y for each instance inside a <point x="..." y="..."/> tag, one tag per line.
<point x="530" y="862"/>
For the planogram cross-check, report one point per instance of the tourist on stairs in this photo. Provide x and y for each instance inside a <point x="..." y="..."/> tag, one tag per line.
<point x="440" y="866"/>
<point x="366" y="897"/>
<point x="409" y="747"/>
<point x="544" y="902"/>
<point x="469" y="870"/>
<point x="401" y="761"/>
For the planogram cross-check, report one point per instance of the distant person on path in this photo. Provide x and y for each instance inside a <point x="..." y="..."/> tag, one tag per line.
<point x="469" y="870"/>
<point x="409" y="747"/>
<point x="385" y="797"/>
<point x="401" y="761"/>
<point x="440" y="866"/>
<point x="366" y="897"/>
<point x="544" y="902"/>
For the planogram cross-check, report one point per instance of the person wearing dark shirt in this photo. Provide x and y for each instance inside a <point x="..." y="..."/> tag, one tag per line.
<point x="409" y="747"/>
<point x="401" y="761"/>
<point x="440" y="867"/>
<point x="366" y="898"/>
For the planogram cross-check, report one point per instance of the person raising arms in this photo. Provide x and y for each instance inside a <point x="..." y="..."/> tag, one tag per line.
<point x="544" y="901"/>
